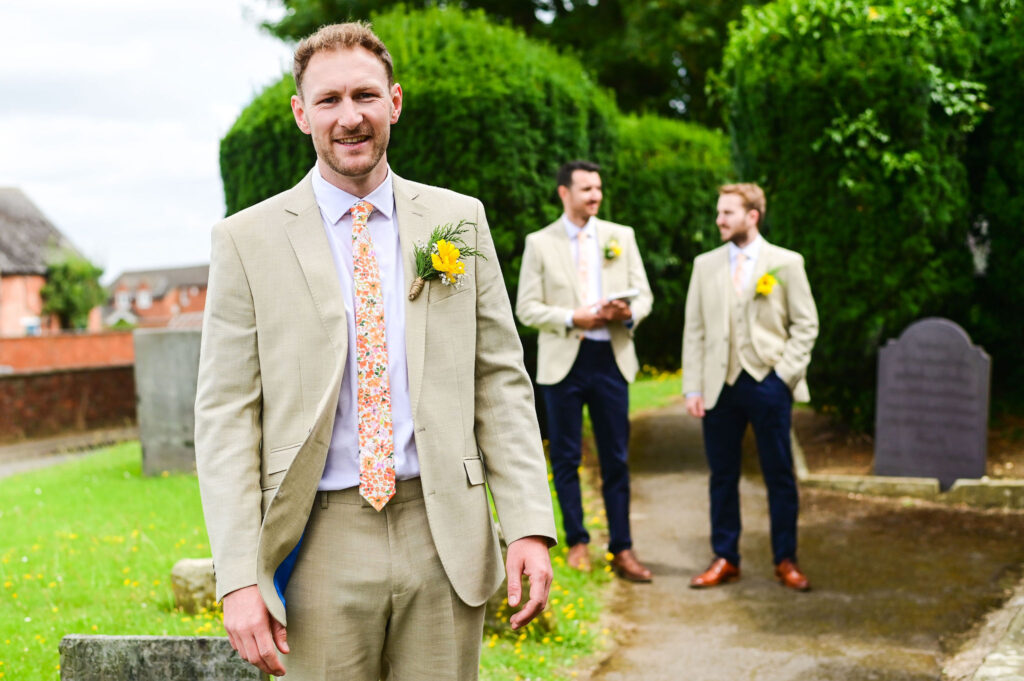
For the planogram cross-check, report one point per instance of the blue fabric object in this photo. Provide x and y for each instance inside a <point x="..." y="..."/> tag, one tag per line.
<point x="283" y="573"/>
<point x="767" y="406"/>
<point x="594" y="380"/>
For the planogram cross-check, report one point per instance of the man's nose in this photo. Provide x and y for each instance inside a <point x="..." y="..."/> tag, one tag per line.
<point x="348" y="116"/>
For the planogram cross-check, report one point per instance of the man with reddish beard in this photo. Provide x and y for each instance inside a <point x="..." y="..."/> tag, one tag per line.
<point x="346" y="432"/>
<point x="749" y="329"/>
<point x="583" y="285"/>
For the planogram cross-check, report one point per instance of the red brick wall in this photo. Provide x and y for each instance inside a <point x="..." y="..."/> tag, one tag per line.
<point x="38" y="353"/>
<point x="46" y="403"/>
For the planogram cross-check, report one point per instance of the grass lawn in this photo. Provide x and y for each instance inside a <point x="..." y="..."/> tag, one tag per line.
<point x="88" y="548"/>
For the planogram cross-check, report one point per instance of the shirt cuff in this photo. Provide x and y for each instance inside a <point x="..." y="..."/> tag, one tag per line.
<point x="568" y="319"/>
<point x="693" y="394"/>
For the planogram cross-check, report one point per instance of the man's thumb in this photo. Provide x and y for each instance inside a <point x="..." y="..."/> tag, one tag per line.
<point x="280" y="636"/>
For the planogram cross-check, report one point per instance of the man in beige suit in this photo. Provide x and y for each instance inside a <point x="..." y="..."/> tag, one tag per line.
<point x="345" y="434"/>
<point x="583" y="285"/>
<point x="749" y="328"/>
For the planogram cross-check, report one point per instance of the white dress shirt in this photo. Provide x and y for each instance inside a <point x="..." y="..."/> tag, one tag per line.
<point x="342" y="467"/>
<point x="751" y="250"/>
<point x="595" y="259"/>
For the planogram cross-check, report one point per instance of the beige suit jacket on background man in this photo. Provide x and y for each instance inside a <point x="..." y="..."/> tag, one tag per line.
<point x="783" y="325"/>
<point x="549" y="290"/>
<point x="273" y="353"/>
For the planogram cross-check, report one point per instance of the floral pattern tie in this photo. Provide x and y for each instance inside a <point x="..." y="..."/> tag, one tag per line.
<point x="373" y="394"/>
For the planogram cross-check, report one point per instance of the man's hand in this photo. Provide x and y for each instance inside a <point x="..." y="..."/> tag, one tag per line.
<point x="585" y="318"/>
<point x="695" y="406"/>
<point x="253" y="632"/>
<point x="528" y="556"/>
<point x="616" y="311"/>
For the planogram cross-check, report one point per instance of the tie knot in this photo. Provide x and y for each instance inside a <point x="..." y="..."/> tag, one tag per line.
<point x="361" y="211"/>
<point x="741" y="258"/>
<point x="581" y="235"/>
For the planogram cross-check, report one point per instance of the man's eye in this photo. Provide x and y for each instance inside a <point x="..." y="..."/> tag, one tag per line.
<point x="328" y="100"/>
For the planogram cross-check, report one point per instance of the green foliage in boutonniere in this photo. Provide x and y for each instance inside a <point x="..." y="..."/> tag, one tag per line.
<point x="766" y="284"/>
<point x="443" y="257"/>
<point x="612" y="249"/>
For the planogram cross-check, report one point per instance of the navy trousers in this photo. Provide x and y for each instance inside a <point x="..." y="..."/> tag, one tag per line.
<point x="768" y="407"/>
<point x="594" y="380"/>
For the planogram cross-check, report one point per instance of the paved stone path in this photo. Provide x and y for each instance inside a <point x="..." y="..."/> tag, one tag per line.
<point x="33" y="454"/>
<point x="897" y="584"/>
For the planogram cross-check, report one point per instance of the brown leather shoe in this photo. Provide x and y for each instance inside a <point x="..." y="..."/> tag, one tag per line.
<point x="625" y="565"/>
<point x="578" y="557"/>
<point x="789" y="574"/>
<point x="721" y="571"/>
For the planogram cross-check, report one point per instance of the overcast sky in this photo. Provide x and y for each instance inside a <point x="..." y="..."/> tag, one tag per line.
<point x="111" y="112"/>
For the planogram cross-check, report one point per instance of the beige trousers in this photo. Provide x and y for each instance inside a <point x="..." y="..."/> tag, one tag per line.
<point x="369" y="599"/>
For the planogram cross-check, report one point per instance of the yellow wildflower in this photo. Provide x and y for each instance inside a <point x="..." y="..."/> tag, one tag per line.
<point x="873" y="14"/>
<point x="446" y="259"/>
<point x="766" y="284"/>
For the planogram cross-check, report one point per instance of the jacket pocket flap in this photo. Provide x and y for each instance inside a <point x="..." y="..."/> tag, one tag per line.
<point x="474" y="471"/>
<point x="279" y="459"/>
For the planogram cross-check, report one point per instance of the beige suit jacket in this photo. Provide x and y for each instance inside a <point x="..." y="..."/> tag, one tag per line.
<point x="549" y="290"/>
<point x="273" y="352"/>
<point x="783" y="325"/>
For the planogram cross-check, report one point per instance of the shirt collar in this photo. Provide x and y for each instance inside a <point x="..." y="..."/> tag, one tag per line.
<point x="572" y="229"/>
<point x="335" y="203"/>
<point x="751" y="250"/>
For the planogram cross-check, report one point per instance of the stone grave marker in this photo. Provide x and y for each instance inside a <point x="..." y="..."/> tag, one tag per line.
<point x="166" y="372"/>
<point x="932" y="404"/>
<point x="152" y="658"/>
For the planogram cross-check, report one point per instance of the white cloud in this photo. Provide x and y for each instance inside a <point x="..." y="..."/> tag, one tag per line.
<point x="111" y="113"/>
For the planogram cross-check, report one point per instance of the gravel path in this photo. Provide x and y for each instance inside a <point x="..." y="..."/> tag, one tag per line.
<point x="898" y="585"/>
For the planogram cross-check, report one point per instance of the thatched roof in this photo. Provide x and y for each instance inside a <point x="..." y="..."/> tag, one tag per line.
<point x="28" y="240"/>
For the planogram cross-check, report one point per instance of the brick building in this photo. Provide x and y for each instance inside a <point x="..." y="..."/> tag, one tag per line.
<point x="172" y="297"/>
<point x="28" y="242"/>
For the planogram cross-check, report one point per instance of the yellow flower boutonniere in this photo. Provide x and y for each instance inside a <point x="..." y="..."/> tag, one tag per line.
<point x="443" y="257"/>
<point x="766" y="284"/>
<point x="612" y="249"/>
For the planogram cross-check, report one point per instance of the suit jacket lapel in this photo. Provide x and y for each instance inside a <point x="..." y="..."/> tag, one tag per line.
<point x="725" y="287"/>
<point x="306" y="233"/>
<point x="761" y="266"/>
<point x="413" y="218"/>
<point x="563" y="253"/>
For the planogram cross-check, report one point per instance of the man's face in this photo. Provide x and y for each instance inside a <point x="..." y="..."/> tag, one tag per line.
<point x="582" y="199"/>
<point x="348" y="109"/>
<point x="735" y="223"/>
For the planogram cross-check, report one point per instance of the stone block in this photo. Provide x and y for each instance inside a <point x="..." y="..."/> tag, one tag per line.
<point x="166" y="372"/>
<point x="920" y="488"/>
<point x="194" y="584"/>
<point x="152" y="658"/>
<point x="987" y="493"/>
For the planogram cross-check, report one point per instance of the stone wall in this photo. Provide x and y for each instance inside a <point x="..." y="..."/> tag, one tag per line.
<point x="45" y="403"/>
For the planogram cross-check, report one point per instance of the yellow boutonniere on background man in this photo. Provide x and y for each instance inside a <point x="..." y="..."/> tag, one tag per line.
<point x="612" y="249"/>
<point x="766" y="284"/>
<point x="442" y="257"/>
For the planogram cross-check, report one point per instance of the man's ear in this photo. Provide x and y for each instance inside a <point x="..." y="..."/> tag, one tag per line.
<point x="299" y="111"/>
<point x="563" y="192"/>
<point x="396" y="102"/>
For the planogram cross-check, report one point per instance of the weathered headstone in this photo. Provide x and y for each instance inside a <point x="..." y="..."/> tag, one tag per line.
<point x="166" y="371"/>
<point x="194" y="584"/>
<point x="932" y="406"/>
<point x="152" y="658"/>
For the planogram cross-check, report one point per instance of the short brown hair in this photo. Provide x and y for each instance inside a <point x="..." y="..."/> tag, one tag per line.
<point x="752" y="195"/>
<point x="340" y="37"/>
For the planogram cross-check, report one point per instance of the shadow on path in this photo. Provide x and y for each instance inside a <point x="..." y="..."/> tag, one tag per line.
<point x="897" y="584"/>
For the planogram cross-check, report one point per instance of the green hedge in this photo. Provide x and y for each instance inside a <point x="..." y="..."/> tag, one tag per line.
<point x="854" y="117"/>
<point x="665" y="185"/>
<point x="995" y="162"/>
